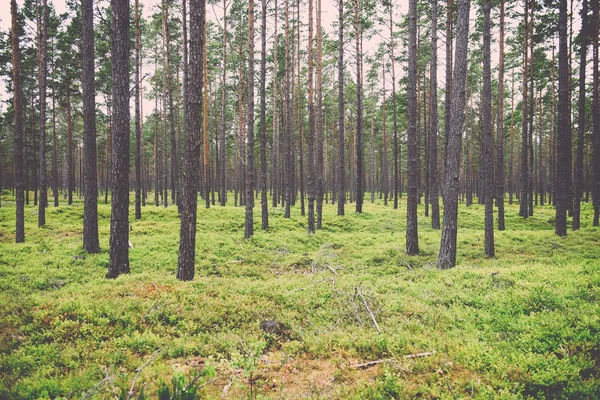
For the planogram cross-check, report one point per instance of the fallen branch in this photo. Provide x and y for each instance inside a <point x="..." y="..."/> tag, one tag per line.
<point x="139" y="371"/>
<point x="371" y="363"/>
<point x="383" y="360"/>
<point x="417" y="355"/>
<point x="238" y="242"/>
<point x="369" y="310"/>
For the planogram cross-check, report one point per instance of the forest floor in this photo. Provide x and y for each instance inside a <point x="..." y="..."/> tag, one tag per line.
<point x="524" y="324"/>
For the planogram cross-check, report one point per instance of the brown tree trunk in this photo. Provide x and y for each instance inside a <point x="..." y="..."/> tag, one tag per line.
<point x="412" y="238"/>
<point x="90" y="205"/>
<point x="499" y="173"/>
<point x="193" y="110"/>
<point x="433" y="136"/>
<point x="18" y="129"/>
<point x="447" y="255"/>
<point x="119" y="222"/>
<point x="488" y="138"/>
<point x="249" y="230"/>
<point x="563" y="141"/>
<point x="341" y="170"/>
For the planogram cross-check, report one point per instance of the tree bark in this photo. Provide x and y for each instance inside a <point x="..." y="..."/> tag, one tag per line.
<point x="412" y="238"/>
<point x="42" y="73"/>
<point x="319" y="127"/>
<point x="119" y="222"/>
<point x="488" y="139"/>
<point x="18" y="129"/>
<point x="90" y="202"/>
<point x="359" y="113"/>
<point x="563" y="141"/>
<point x="596" y="117"/>
<point x="263" y="118"/>
<point x="524" y="179"/>
<point x="138" y="123"/>
<point x="249" y="229"/>
<point x="433" y="138"/>
<point x="193" y="110"/>
<point x="578" y="193"/>
<point x="499" y="173"/>
<point x="447" y="255"/>
<point x="341" y="180"/>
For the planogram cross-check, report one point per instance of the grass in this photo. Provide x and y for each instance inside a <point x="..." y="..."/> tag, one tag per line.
<point x="525" y="324"/>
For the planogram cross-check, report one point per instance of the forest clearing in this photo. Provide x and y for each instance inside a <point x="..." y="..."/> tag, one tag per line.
<point x="526" y="324"/>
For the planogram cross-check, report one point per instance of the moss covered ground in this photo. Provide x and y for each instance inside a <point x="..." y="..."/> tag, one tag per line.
<point x="525" y="324"/>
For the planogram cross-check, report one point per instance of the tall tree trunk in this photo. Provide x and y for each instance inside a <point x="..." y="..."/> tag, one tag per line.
<point x="499" y="173"/>
<point x="119" y="222"/>
<point x="384" y="163"/>
<point x="288" y="112"/>
<point x="448" y="76"/>
<point x="192" y="110"/>
<point x="596" y="116"/>
<point x="18" y="129"/>
<point x="275" y="181"/>
<point x="90" y="201"/>
<point x="578" y="192"/>
<point x="263" y="118"/>
<point x="70" y="165"/>
<point x="359" y="112"/>
<point x="524" y="179"/>
<point x="205" y="142"/>
<point x="341" y="179"/>
<point x="488" y="139"/>
<point x="249" y="231"/>
<point x="412" y="238"/>
<point x="396" y="146"/>
<point x="447" y="255"/>
<point x="319" y="127"/>
<point x="170" y="90"/>
<point x="54" y="151"/>
<point x="311" y="124"/>
<point x="138" y="122"/>
<point x="223" y="159"/>
<point x="563" y="141"/>
<point x="42" y="72"/>
<point x="433" y="138"/>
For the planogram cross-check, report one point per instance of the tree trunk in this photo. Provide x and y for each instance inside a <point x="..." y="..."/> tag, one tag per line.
<point x="319" y="127"/>
<point x="433" y="138"/>
<point x="396" y="149"/>
<point x="359" y="112"/>
<point x="524" y="179"/>
<point x="222" y="159"/>
<point x="288" y="120"/>
<point x="412" y="238"/>
<point x="578" y="192"/>
<point x="119" y="222"/>
<point x="499" y="173"/>
<point x="263" y="118"/>
<point x="42" y="72"/>
<point x="18" y="129"/>
<point x="447" y="255"/>
<point x="249" y="230"/>
<point x="563" y="140"/>
<point x="70" y="166"/>
<point x="596" y="117"/>
<point x="192" y="110"/>
<point x="138" y="122"/>
<point x="90" y="201"/>
<point x="341" y="179"/>
<point x="488" y="139"/>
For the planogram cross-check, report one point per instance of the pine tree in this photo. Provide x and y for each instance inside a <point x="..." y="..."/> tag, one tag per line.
<point x="447" y="255"/>
<point x="90" y="181"/>
<point x="193" y="111"/>
<point x="119" y="221"/>
<point x="412" y="238"/>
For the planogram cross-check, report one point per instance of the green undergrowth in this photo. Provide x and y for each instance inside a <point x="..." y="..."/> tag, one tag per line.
<point x="525" y="324"/>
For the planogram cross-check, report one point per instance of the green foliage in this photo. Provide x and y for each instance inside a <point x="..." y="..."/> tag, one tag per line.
<point x="523" y="325"/>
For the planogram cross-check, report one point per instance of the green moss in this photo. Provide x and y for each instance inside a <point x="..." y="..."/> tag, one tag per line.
<point x="525" y="324"/>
